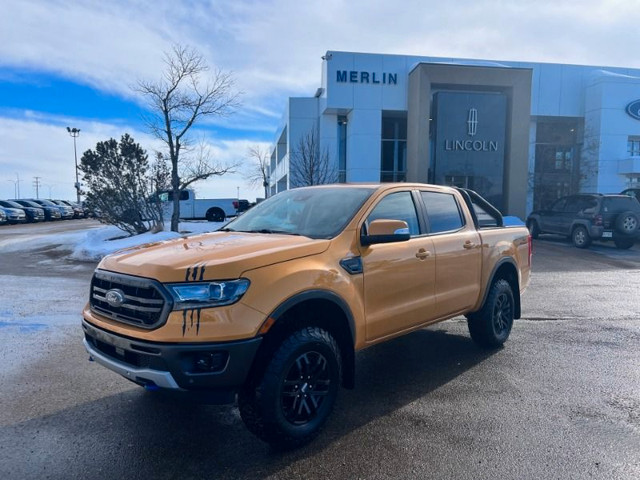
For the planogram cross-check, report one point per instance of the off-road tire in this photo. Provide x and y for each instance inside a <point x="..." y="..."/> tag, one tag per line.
<point x="491" y="325"/>
<point x="534" y="229"/>
<point x="580" y="237"/>
<point x="627" y="223"/>
<point x="272" y="405"/>
<point x="215" y="215"/>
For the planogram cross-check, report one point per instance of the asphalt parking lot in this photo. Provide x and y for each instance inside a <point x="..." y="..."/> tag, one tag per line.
<point x="560" y="400"/>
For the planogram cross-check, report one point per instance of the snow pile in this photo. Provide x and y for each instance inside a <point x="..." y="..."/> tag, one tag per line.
<point x="98" y="243"/>
<point x="95" y="244"/>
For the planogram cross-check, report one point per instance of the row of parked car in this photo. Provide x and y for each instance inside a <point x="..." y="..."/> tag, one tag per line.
<point x="586" y="217"/>
<point x="38" y="210"/>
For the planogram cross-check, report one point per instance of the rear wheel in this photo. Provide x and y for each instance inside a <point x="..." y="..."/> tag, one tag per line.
<point x="490" y="327"/>
<point x="292" y="400"/>
<point x="534" y="230"/>
<point x="580" y="237"/>
<point x="215" y="215"/>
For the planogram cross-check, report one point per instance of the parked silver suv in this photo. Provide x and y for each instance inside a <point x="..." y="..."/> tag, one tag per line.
<point x="588" y="217"/>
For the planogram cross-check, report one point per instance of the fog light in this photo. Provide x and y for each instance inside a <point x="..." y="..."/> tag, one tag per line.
<point x="210" y="362"/>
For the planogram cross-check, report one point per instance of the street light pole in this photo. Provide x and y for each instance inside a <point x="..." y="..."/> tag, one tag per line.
<point x="75" y="132"/>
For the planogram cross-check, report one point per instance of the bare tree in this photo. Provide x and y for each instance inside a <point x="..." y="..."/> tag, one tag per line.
<point x="258" y="173"/>
<point x="309" y="164"/>
<point x="181" y="98"/>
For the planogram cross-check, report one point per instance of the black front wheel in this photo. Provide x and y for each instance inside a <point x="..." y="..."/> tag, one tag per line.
<point x="288" y="406"/>
<point x="490" y="326"/>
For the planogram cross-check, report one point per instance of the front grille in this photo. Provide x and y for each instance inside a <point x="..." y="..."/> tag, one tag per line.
<point x="145" y="302"/>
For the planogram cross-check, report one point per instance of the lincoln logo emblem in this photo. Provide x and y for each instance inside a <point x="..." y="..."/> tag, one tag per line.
<point x="472" y="122"/>
<point x="115" y="297"/>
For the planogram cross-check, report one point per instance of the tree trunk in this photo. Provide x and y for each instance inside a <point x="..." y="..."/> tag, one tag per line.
<point x="175" y="187"/>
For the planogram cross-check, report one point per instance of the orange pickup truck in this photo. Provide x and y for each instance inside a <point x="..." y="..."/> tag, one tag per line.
<point x="272" y="308"/>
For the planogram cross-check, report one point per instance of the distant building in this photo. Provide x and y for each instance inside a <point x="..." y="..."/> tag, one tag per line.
<point x="520" y="133"/>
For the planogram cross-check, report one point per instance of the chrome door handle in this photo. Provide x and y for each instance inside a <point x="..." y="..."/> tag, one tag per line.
<point x="469" y="245"/>
<point x="422" y="254"/>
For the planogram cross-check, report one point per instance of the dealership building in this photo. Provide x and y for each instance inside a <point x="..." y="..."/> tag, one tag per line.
<point x="519" y="133"/>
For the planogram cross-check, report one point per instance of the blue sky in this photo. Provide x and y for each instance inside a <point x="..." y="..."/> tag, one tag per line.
<point x="73" y="63"/>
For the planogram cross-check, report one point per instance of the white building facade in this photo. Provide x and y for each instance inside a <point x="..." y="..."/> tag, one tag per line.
<point x="519" y="133"/>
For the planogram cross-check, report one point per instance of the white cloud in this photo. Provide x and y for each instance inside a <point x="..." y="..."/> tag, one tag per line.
<point x="274" y="47"/>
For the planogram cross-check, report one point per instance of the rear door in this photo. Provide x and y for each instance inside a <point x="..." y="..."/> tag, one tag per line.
<point x="458" y="252"/>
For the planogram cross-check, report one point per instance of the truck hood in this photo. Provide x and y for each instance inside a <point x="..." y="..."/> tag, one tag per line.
<point x="210" y="256"/>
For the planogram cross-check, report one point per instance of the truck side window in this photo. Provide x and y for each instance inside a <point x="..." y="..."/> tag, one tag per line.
<point x="168" y="196"/>
<point x="397" y="206"/>
<point x="443" y="212"/>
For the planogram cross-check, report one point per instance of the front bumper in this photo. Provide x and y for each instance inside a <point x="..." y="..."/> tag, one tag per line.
<point x="218" y="367"/>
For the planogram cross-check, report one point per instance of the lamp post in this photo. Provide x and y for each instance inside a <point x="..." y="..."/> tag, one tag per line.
<point x="75" y="132"/>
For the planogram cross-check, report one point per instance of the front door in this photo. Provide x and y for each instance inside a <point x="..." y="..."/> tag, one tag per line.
<point x="399" y="278"/>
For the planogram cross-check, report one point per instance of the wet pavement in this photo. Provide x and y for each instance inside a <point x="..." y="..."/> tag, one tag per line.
<point x="560" y="400"/>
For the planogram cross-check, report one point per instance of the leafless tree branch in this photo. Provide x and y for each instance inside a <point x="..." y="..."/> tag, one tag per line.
<point x="258" y="173"/>
<point x="309" y="164"/>
<point x="186" y="93"/>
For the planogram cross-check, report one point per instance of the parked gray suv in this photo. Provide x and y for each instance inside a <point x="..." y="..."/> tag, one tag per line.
<point x="588" y="217"/>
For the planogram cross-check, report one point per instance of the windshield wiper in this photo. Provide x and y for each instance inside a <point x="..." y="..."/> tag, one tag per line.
<point x="269" y="230"/>
<point x="225" y="229"/>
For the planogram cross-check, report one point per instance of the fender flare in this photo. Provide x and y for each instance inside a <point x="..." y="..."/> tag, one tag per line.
<point x="500" y="263"/>
<point x="317" y="295"/>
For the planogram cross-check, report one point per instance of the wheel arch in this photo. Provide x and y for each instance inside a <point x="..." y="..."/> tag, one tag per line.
<point x="321" y="308"/>
<point x="579" y="223"/>
<point x="506" y="269"/>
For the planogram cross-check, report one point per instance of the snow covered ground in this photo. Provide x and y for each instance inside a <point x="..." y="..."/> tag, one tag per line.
<point x="94" y="243"/>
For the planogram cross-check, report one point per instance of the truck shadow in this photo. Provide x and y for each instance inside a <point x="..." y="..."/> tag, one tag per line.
<point x="136" y="434"/>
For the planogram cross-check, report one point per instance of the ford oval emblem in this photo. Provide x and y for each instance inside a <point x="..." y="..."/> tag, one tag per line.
<point x="115" y="297"/>
<point x="633" y="109"/>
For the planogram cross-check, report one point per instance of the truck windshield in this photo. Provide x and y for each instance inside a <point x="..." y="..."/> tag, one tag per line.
<point x="315" y="212"/>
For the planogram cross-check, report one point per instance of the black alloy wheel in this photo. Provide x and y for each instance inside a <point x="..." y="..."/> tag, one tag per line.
<point x="502" y="314"/>
<point x="305" y="387"/>
<point x="289" y="403"/>
<point x="491" y="326"/>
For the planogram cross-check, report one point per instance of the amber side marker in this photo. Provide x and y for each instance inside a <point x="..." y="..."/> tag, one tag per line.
<point x="266" y="325"/>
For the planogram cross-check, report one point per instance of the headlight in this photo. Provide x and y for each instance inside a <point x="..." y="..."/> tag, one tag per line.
<point x="207" y="294"/>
